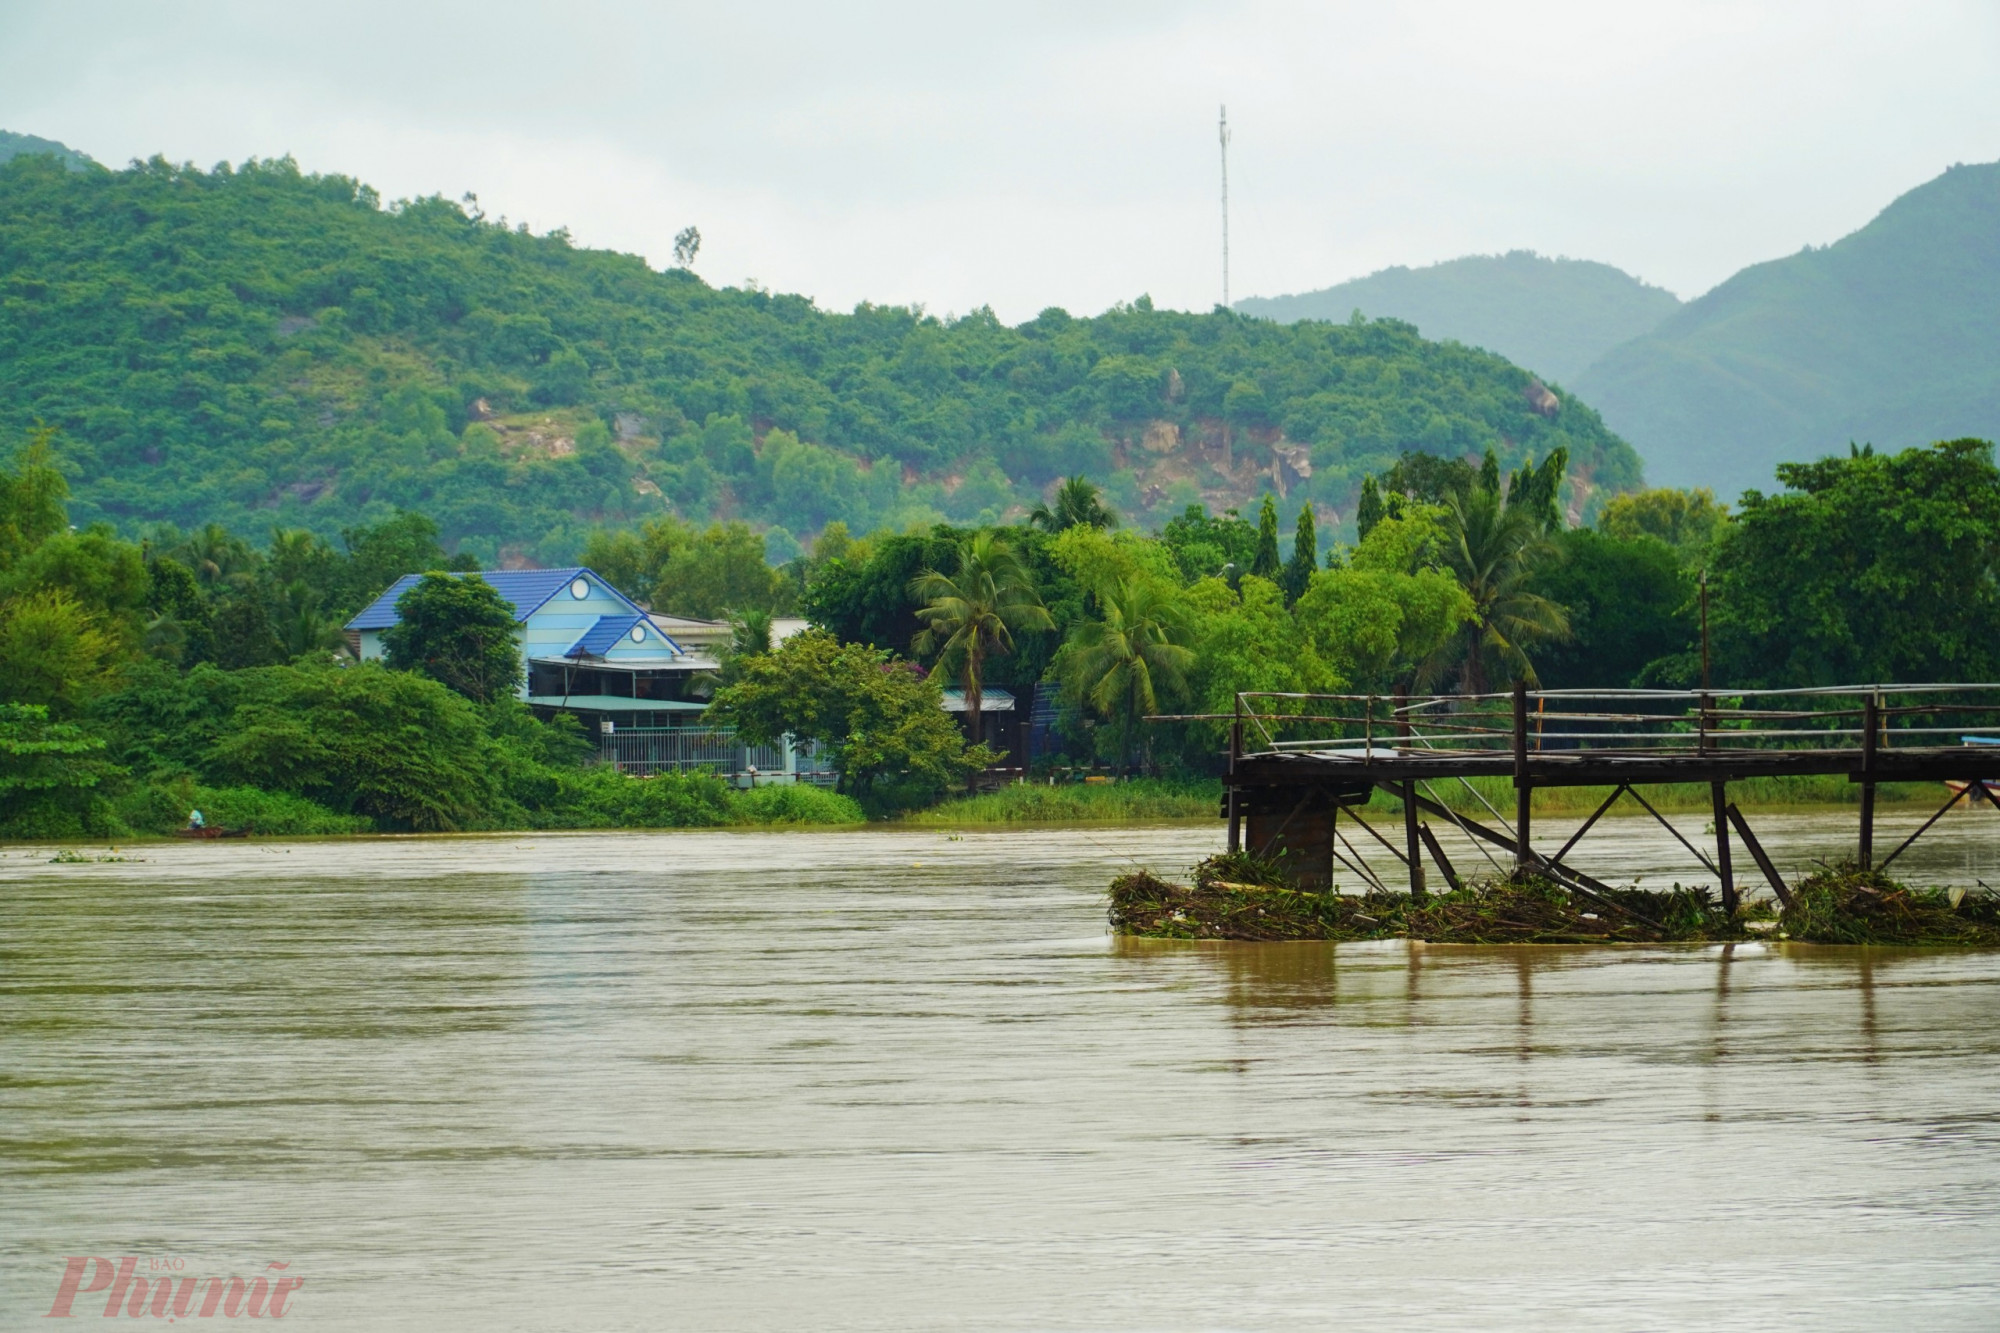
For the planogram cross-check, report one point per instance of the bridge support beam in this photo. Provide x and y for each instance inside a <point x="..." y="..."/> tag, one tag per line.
<point x="1870" y="720"/>
<point x="1524" y="856"/>
<point x="1234" y="810"/>
<point x="1719" y="797"/>
<point x="1294" y="827"/>
<point x="1412" y="837"/>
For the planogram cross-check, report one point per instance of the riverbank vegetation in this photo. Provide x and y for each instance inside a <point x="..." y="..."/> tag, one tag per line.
<point x="132" y="669"/>
<point x="1240" y="897"/>
<point x="1136" y="801"/>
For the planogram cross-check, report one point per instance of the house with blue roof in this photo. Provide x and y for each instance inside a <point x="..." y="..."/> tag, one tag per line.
<point x="586" y="648"/>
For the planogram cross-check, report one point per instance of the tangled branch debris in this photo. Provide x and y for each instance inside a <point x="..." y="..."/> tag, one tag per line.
<point x="1237" y="896"/>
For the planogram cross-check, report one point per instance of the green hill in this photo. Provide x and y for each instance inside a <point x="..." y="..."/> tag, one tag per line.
<point x="1554" y="316"/>
<point x="14" y="145"/>
<point x="1890" y="336"/>
<point x="257" y="346"/>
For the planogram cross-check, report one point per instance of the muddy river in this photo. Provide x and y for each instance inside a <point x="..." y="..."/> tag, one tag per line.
<point x="896" y="1079"/>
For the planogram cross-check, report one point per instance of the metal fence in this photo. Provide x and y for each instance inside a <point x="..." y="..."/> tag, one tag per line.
<point x="645" y="751"/>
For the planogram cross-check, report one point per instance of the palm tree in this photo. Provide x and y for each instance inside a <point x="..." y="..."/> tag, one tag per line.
<point x="1494" y="549"/>
<point x="219" y="557"/>
<point x="1078" y="504"/>
<point x="301" y="625"/>
<point x="974" y="612"/>
<point x="1139" y="651"/>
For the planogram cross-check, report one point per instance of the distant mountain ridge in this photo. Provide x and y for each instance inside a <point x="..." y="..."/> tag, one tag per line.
<point x="257" y="346"/>
<point x="1889" y="336"/>
<point x="14" y="145"/>
<point x="1553" y="316"/>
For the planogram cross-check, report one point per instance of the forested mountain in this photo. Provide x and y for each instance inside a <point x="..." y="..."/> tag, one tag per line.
<point x="14" y="145"/>
<point x="1553" y="316"/>
<point x="259" y="346"/>
<point x="1890" y="336"/>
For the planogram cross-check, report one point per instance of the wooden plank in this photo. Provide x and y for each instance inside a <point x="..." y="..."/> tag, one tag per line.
<point x="1437" y="854"/>
<point x="1742" y="826"/>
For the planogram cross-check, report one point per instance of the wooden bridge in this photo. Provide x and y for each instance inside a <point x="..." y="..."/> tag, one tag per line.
<point x="1296" y="761"/>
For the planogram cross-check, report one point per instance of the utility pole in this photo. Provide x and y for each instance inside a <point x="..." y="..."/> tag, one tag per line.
<point x="1223" y="130"/>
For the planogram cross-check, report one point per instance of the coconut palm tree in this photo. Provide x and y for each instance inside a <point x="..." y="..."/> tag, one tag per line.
<point x="1140" y="651"/>
<point x="1079" y="504"/>
<point x="1494" y="549"/>
<point x="219" y="557"/>
<point x="974" y="612"/>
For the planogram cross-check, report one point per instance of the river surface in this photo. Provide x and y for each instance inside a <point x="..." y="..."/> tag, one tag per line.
<point x="889" y="1079"/>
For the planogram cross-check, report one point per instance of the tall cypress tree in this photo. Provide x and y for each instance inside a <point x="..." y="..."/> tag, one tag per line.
<point x="1265" y="563"/>
<point x="1305" y="556"/>
<point x="1369" y="512"/>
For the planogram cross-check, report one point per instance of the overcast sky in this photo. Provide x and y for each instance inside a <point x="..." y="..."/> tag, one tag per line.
<point x="1026" y="155"/>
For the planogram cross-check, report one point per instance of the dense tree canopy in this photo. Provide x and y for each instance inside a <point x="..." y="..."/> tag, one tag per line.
<point x="459" y="632"/>
<point x="881" y="719"/>
<point x="260" y="347"/>
<point x="1873" y="567"/>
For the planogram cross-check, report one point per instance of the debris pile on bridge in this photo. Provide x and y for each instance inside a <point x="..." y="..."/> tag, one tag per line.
<point x="1848" y="905"/>
<point x="1236" y="896"/>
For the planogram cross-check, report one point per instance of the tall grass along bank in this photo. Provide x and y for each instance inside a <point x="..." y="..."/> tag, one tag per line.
<point x="1082" y="803"/>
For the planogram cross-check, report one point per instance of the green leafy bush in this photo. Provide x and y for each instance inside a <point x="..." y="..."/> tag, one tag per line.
<point x="794" y="804"/>
<point x="602" y="797"/>
<point x="390" y="745"/>
<point x="164" y="807"/>
<point x="51" y="775"/>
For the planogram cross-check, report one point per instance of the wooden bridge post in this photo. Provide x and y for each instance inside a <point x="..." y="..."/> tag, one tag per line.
<point x="1412" y="838"/>
<point x="1719" y="796"/>
<point x="1871" y="718"/>
<point x="1235" y="753"/>
<point x="1524" y="859"/>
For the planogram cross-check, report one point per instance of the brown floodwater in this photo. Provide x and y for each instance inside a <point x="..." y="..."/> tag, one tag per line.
<point x="890" y="1079"/>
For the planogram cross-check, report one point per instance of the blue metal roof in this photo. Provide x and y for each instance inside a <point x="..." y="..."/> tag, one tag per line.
<point x="527" y="589"/>
<point x="602" y="637"/>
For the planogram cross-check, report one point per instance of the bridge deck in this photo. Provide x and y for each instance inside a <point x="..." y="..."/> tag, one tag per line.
<point x="1322" y="754"/>
<point x="1597" y="768"/>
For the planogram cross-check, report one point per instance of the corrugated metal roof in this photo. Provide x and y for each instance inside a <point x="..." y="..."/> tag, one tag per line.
<point x="613" y="703"/>
<point x="527" y="589"/>
<point x="990" y="701"/>
<point x="603" y="636"/>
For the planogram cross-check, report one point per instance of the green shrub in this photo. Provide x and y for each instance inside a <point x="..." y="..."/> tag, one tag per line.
<point x="793" y="804"/>
<point x="163" y="807"/>
<point x="602" y="797"/>
<point x="1107" y="803"/>
<point x="51" y="774"/>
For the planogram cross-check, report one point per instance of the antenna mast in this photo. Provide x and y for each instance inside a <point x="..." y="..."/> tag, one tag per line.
<point x="1223" y="130"/>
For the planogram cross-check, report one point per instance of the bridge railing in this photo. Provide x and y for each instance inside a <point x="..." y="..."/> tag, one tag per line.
<point x="1629" y="721"/>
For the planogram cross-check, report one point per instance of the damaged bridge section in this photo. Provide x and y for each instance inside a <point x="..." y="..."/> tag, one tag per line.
<point x="1302" y="767"/>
